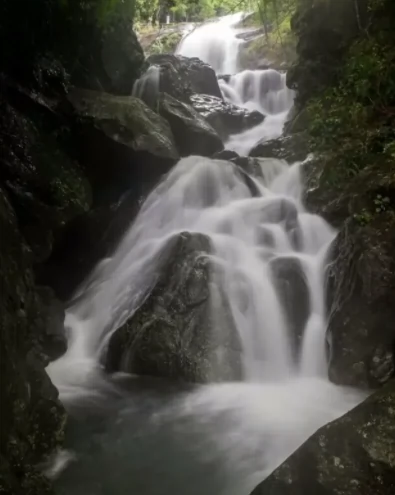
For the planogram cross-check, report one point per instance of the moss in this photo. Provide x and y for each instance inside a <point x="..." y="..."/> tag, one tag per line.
<point x="126" y="120"/>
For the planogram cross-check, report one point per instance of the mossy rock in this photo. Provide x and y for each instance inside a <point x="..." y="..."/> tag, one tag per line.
<point x="127" y="121"/>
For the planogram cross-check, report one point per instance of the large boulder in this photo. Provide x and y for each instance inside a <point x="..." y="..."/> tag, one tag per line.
<point x="361" y="332"/>
<point x="122" y="142"/>
<point x="192" y="133"/>
<point x="225" y="117"/>
<point x="353" y="455"/>
<point x="291" y="148"/>
<point x="293" y="292"/>
<point x="175" y="333"/>
<point x="181" y="77"/>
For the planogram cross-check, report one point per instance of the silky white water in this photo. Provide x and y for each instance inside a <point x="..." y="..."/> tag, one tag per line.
<point x="219" y="438"/>
<point x="215" y="43"/>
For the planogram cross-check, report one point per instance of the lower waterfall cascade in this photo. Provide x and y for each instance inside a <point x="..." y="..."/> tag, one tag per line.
<point x="218" y="438"/>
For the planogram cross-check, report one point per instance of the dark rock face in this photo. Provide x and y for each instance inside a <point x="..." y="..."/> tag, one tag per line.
<point x="99" y="50"/>
<point x="174" y="333"/>
<point x="45" y="186"/>
<point x="86" y="240"/>
<point x="32" y="419"/>
<point x="353" y="455"/>
<point x="291" y="148"/>
<point x="324" y="31"/>
<point x="181" y="77"/>
<point x="293" y="292"/>
<point x="361" y="286"/>
<point x="361" y="333"/>
<point x="192" y="133"/>
<point x="122" y="142"/>
<point x="226" y="118"/>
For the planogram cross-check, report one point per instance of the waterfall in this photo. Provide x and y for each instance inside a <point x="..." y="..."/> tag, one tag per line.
<point x="215" y="43"/>
<point x="220" y="438"/>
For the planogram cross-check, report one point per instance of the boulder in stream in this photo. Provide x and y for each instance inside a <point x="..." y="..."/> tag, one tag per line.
<point x="292" y="148"/>
<point x="353" y="455"/>
<point x="293" y="292"/>
<point x="175" y="333"/>
<point x="192" y="133"/>
<point x="225" y="117"/>
<point x="181" y="77"/>
<point x="122" y="142"/>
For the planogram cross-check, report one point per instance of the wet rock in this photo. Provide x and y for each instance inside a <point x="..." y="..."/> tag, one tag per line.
<point x="51" y="320"/>
<point x="291" y="148"/>
<point x="361" y="291"/>
<point x="32" y="418"/>
<point x="352" y="455"/>
<point x="225" y="155"/>
<point x="225" y="117"/>
<point x="122" y="142"/>
<point x="192" y="133"/>
<point x="324" y="32"/>
<point x="251" y="166"/>
<point x="86" y="240"/>
<point x="174" y="333"/>
<point x="293" y="292"/>
<point x="280" y="210"/>
<point x="181" y="77"/>
<point x="45" y="185"/>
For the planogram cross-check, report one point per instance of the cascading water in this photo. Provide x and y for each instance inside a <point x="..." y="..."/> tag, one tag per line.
<point x="220" y="438"/>
<point x="215" y="43"/>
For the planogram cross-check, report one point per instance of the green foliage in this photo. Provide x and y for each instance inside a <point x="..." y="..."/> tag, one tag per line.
<point x="363" y="218"/>
<point x="381" y="203"/>
<point x="356" y="119"/>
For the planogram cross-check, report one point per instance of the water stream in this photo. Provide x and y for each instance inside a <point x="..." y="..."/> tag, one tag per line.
<point x="135" y="435"/>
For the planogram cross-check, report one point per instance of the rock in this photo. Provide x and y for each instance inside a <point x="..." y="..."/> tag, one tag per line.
<point x="45" y="185"/>
<point x="252" y="166"/>
<point x="181" y="77"/>
<point x="174" y="334"/>
<point x="353" y="455"/>
<point x="53" y="338"/>
<point x="293" y="292"/>
<point x="361" y="333"/>
<point x="292" y="148"/>
<point x="122" y="142"/>
<point x="324" y="32"/>
<point x="32" y="418"/>
<point x="95" y="42"/>
<point x="192" y="133"/>
<point x="225" y="117"/>
<point x="86" y="240"/>
<point x="225" y="155"/>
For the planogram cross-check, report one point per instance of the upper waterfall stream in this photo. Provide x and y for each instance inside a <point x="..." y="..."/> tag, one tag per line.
<point x="150" y="437"/>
